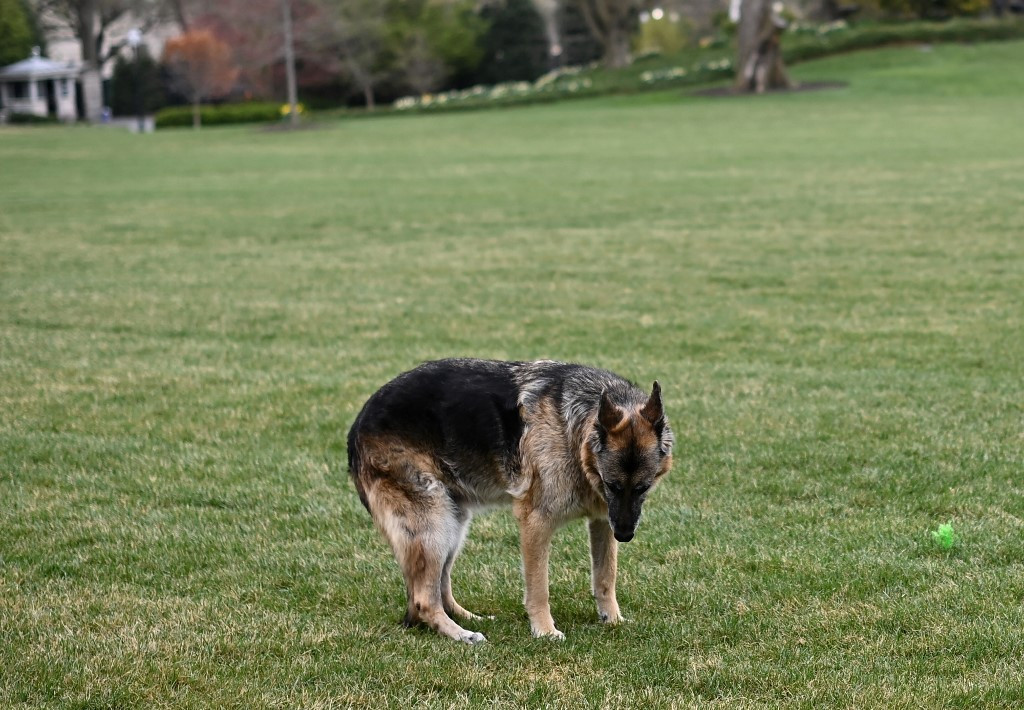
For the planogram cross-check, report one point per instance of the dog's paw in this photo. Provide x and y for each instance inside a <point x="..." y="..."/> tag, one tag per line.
<point x="553" y="634"/>
<point x="472" y="637"/>
<point x="612" y="618"/>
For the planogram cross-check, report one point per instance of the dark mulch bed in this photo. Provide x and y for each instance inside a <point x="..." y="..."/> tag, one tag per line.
<point x="727" y="91"/>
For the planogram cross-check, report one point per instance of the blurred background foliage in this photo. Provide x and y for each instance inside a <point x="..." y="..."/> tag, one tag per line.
<point x="365" y="53"/>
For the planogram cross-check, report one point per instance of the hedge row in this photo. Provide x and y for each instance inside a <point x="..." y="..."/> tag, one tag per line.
<point x="30" y="118"/>
<point x="249" y="112"/>
<point x="801" y="48"/>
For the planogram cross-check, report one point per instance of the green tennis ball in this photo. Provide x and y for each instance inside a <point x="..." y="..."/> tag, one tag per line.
<point x="944" y="537"/>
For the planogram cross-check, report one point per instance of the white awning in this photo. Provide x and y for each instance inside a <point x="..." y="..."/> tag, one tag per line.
<point x="38" y="67"/>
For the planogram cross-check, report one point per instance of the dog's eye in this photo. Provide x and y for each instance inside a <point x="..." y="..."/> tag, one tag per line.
<point x="641" y="488"/>
<point x="614" y="487"/>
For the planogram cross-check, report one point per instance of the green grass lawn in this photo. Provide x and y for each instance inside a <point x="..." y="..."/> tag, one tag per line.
<point x="830" y="287"/>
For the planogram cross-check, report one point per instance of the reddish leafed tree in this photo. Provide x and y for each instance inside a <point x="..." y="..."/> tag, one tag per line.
<point x="254" y="31"/>
<point x="201" y="66"/>
<point x="329" y="38"/>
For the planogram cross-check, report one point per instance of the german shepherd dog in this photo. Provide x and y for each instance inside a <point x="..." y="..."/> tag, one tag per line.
<point x="557" y="441"/>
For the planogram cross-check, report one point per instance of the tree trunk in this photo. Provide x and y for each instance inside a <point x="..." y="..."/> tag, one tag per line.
<point x="87" y="19"/>
<point x="363" y="78"/>
<point x="92" y="82"/>
<point x="759" y="65"/>
<point x="610" y="22"/>
<point x="180" y="16"/>
<point x="616" y="48"/>
<point x="289" y="63"/>
<point x="92" y="93"/>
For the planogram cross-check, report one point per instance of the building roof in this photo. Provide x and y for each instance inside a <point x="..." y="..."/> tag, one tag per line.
<point x="38" y="67"/>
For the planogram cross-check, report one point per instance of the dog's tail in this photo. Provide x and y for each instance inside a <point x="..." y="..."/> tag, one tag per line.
<point x="355" y="465"/>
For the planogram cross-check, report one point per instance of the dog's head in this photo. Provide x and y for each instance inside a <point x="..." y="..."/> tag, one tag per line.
<point x="632" y="451"/>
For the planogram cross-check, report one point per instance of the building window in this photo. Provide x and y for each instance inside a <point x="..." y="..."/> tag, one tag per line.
<point x="19" y="90"/>
<point x="64" y="87"/>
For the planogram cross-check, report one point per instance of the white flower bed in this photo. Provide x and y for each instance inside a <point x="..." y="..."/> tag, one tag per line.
<point x="558" y="81"/>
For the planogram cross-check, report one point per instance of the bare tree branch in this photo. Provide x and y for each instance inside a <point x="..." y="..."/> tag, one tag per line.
<point x="611" y="22"/>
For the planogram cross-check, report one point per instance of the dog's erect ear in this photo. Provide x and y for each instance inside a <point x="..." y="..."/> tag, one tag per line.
<point x="609" y="415"/>
<point x="653" y="411"/>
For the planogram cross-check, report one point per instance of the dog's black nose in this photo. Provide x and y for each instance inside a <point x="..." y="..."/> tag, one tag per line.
<point x="624" y="536"/>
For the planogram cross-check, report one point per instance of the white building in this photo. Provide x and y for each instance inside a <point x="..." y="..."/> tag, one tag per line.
<point x="63" y="45"/>
<point x="40" y="86"/>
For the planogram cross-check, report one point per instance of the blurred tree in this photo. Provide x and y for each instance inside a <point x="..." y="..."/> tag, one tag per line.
<point x="423" y="69"/>
<point x="612" y="23"/>
<point x="439" y="37"/>
<point x="515" y="45"/>
<point x="289" y="61"/>
<point x="935" y="9"/>
<point x="16" y="35"/>
<point x="181" y="11"/>
<point x="201" y="67"/>
<point x="576" y="43"/>
<point x="89" y="21"/>
<point x="667" y="34"/>
<point x="254" y="30"/>
<point x="131" y="75"/>
<point x="358" y="47"/>
<point x="759" y="65"/>
<point x="358" y="37"/>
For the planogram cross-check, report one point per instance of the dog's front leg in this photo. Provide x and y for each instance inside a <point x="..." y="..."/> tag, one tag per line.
<point x="604" y="561"/>
<point x="535" y="532"/>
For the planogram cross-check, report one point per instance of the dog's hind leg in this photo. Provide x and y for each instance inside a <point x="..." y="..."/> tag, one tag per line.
<point x="423" y="566"/>
<point x="452" y="607"/>
<point x="423" y="528"/>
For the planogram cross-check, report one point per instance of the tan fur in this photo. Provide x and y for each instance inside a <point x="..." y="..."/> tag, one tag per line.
<point x="407" y="498"/>
<point x="535" y="533"/>
<point x="604" y="564"/>
<point x="407" y="490"/>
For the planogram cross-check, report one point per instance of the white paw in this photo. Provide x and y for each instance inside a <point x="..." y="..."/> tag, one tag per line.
<point x="472" y="637"/>
<point x="553" y="634"/>
<point x="614" y="618"/>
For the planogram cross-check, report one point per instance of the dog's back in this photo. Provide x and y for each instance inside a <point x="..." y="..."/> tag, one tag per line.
<point x="462" y="415"/>
<point x="467" y="416"/>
